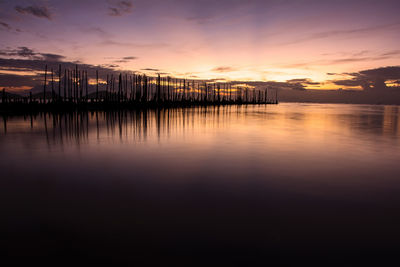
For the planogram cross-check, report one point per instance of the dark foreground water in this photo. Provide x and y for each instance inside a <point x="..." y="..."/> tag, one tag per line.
<point x="284" y="184"/>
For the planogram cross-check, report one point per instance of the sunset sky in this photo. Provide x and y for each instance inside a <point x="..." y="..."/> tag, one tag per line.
<point x="249" y="40"/>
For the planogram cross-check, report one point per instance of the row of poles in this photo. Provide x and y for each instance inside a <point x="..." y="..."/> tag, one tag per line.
<point x="73" y="87"/>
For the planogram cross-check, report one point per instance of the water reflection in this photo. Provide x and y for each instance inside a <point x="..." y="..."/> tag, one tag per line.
<point x="159" y="125"/>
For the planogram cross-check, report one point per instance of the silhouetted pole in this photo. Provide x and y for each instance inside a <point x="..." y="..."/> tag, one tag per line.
<point x="76" y="83"/>
<point x="168" y="81"/>
<point x="65" y="84"/>
<point x="144" y="96"/>
<point x="131" y="86"/>
<point x="219" y="96"/>
<point x="81" y="83"/>
<point x="97" y="85"/>
<point x="87" y="85"/>
<point x="158" y="94"/>
<point x="44" y="86"/>
<point x="119" y="87"/>
<point x="266" y="95"/>
<point x="59" y="81"/>
<point x="52" y="86"/>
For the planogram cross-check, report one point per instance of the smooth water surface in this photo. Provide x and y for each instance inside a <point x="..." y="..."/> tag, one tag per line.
<point x="200" y="185"/>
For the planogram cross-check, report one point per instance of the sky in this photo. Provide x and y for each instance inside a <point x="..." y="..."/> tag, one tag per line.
<point x="306" y="44"/>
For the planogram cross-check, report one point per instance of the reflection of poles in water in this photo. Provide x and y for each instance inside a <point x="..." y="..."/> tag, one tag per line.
<point x="87" y="126"/>
<point x="45" y="128"/>
<point x="5" y="123"/>
<point x="54" y="127"/>
<point x="97" y="125"/>
<point x="158" y="123"/>
<point x="119" y="124"/>
<point x="131" y="125"/>
<point x="145" y="124"/>
<point x="60" y="129"/>
<point x="52" y="86"/>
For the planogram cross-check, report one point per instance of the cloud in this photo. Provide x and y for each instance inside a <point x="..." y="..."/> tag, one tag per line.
<point x="100" y="32"/>
<point x="37" y="11"/>
<point x="201" y="19"/>
<point x="125" y="59"/>
<point x="150" y="69"/>
<point x="294" y="84"/>
<point x="303" y="81"/>
<point x="372" y="79"/>
<point x="223" y="69"/>
<point x="5" y="25"/>
<point x="52" y="57"/>
<point x="301" y="84"/>
<point x="119" y="8"/>
<point x="26" y="52"/>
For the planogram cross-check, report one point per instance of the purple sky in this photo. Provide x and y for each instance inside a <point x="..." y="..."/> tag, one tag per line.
<point x="253" y="40"/>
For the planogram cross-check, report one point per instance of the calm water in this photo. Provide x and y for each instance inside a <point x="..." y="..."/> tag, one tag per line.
<point x="223" y="185"/>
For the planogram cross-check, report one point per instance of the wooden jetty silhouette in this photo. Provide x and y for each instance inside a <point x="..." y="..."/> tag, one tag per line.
<point x="69" y="88"/>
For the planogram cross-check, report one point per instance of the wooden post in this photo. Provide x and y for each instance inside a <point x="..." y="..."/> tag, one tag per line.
<point x="119" y="87"/>
<point x="87" y="85"/>
<point x="219" y="96"/>
<point x="59" y="81"/>
<point x="44" y="86"/>
<point x="266" y="95"/>
<point x="168" y="96"/>
<point x="76" y="84"/>
<point x="97" y="85"/>
<point x="158" y="94"/>
<point x="65" y="84"/>
<point x="52" y="87"/>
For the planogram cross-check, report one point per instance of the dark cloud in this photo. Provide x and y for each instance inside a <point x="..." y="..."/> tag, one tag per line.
<point x="100" y="32"/>
<point x="392" y="53"/>
<point x="223" y="69"/>
<point x="303" y="81"/>
<point x="26" y="52"/>
<point x="37" y="11"/>
<point x="201" y="19"/>
<point x="111" y="66"/>
<point x="119" y="8"/>
<point x="129" y="58"/>
<point x="52" y="57"/>
<point x="125" y="59"/>
<point x="372" y="79"/>
<point x="5" y="25"/>
<point x="150" y="69"/>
